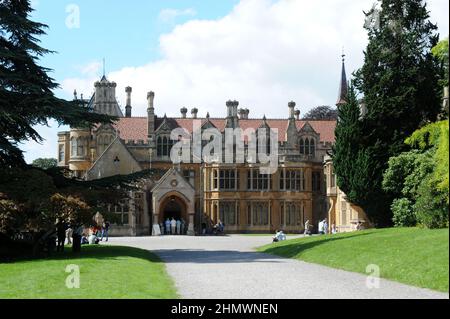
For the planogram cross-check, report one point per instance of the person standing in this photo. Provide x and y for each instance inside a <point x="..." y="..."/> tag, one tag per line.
<point x="69" y="233"/>
<point x="167" y="226"/>
<point x="307" y="227"/>
<point x="183" y="227"/>
<point x="78" y="232"/>
<point x="320" y="227"/>
<point x="105" y="229"/>
<point x="325" y="226"/>
<point x="173" y="225"/>
<point x="178" y="227"/>
<point x="61" y="234"/>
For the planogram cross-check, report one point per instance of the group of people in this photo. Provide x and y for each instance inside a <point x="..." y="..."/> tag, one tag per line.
<point x="323" y="228"/>
<point x="173" y="227"/>
<point x="75" y="234"/>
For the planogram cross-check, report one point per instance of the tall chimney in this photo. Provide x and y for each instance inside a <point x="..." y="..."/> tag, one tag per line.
<point x="297" y="114"/>
<point x="242" y="114"/>
<point x="194" y="113"/>
<point x="235" y="108"/>
<point x="183" y="112"/>
<point x="150" y="115"/>
<point x="291" y="106"/>
<point x="230" y="105"/>
<point x="128" y="90"/>
<point x="247" y="112"/>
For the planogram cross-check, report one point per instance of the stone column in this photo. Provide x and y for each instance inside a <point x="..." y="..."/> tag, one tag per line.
<point x="191" y="231"/>
<point x="156" y="230"/>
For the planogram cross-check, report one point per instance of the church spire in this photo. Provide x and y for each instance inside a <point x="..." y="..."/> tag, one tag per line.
<point x="343" y="88"/>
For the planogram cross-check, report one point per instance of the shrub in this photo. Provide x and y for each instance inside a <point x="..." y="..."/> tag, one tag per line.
<point x="431" y="206"/>
<point x="403" y="213"/>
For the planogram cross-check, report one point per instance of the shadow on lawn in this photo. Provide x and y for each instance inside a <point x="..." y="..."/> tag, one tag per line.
<point x="95" y="252"/>
<point x="299" y="246"/>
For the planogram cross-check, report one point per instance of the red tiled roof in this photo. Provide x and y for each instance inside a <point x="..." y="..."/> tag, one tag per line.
<point x="135" y="128"/>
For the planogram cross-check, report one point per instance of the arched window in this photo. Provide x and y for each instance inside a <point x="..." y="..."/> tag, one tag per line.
<point x="164" y="146"/>
<point x="159" y="146"/>
<point x="307" y="146"/>
<point x="80" y="142"/>
<point x="73" y="141"/>
<point x="302" y="147"/>
<point x="312" y="148"/>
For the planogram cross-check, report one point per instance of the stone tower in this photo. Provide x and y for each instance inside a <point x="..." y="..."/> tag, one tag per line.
<point x="105" y="98"/>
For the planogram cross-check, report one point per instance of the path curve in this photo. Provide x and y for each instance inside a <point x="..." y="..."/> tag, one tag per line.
<point x="229" y="268"/>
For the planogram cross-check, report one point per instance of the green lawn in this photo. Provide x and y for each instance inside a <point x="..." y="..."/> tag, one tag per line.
<point x="414" y="256"/>
<point x="105" y="272"/>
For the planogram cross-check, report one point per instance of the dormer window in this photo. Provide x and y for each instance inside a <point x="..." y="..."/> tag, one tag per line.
<point x="307" y="146"/>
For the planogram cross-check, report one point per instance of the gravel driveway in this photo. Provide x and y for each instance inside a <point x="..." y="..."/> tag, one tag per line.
<point x="229" y="268"/>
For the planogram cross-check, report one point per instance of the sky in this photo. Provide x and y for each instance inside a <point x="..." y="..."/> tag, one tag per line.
<point x="197" y="53"/>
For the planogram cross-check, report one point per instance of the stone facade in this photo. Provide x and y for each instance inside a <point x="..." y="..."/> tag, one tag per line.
<point x="199" y="192"/>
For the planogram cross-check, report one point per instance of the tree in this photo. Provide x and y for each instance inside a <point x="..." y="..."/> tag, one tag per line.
<point x="26" y="90"/>
<point x="440" y="51"/>
<point x="45" y="163"/>
<point x="321" y="113"/>
<point x="400" y="84"/>
<point x="418" y="179"/>
<point x="347" y="150"/>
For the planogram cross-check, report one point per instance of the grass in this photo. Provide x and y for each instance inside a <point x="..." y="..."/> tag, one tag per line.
<point x="106" y="272"/>
<point x="413" y="256"/>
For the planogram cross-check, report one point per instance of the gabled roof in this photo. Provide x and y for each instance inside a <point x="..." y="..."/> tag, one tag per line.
<point x="135" y="128"/>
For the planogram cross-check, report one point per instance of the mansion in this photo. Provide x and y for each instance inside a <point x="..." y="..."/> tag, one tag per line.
<point x="201" y="193"/>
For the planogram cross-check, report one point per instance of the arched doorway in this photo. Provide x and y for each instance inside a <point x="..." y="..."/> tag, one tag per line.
<point x="173" y="207"/>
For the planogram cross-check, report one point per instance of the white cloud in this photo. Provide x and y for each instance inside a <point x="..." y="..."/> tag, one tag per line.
<point x="263" y="53"/>
<point x="169" y="15"/>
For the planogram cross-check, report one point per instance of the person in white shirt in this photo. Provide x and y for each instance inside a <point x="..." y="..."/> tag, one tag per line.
<point x="173" y="223"/>
<point x="325" y="226"/>
<point x="321" y="227"/>
<point x="279" y="236"/>
<point x="93" y="240"/>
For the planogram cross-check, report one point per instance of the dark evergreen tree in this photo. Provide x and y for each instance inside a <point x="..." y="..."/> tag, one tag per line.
<point x="399" y="81"/>
<point x="26" y="90"/>
<point x="351" y="161"/>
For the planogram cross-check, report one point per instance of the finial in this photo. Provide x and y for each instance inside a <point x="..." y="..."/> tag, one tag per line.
<point x="343" y="54"/>
<point x="207" y="115"/>
<point x="104" y="67"/>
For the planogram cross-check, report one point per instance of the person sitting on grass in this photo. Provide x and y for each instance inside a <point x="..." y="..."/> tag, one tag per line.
<point x="279" y="236"/>
<point x="93" y="239"/>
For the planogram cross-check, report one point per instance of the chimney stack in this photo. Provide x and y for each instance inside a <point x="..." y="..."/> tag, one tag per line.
<point x="242" y="114"/>
<point x="150" y="115"/>
<point x="297" y="114"/>
<point x="183" y="112"/>
<point x="128" y="90"/>
<point x="194" y="113"/>
<point x="235" y="108"/>
<point x="230" y="105"/>
<point x="291" y="106"/>
<point x="150" y="100"/>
